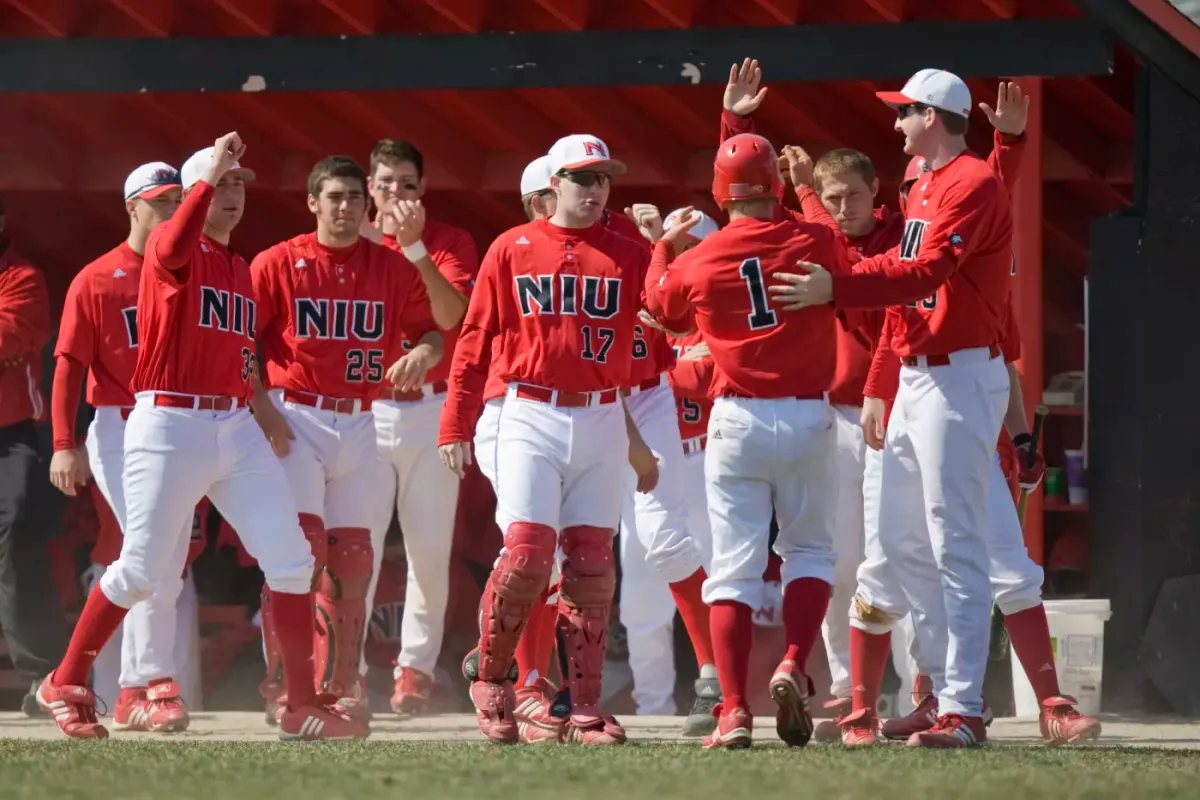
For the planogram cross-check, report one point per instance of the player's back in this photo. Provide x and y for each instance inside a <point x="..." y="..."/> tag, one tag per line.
<point x="761" y="350"/>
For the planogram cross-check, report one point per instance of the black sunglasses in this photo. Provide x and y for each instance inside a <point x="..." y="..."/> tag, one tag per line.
<point x="908" y="109"/>
<point x="587" y="178"/>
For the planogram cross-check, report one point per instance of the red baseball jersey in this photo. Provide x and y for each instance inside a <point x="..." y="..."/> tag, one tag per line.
<point x="950" y="271"/>
<point x="195" y="310"/>
<point x="652" y="353"/>
<point x="691" y="379"/>
<point x="721" y="283"/>
<point x="331" y="321"/>
<point x="456" y="257"/>
<point x="562" y="303"/>
<point x="99" y="324"/>
<point x="24" y="330"/>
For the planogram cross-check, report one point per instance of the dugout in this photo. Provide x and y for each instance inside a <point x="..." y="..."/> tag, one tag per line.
<point x="90" y="89"/>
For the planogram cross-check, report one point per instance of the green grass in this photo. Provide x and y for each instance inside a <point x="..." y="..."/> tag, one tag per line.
<point x="117" y="770"/>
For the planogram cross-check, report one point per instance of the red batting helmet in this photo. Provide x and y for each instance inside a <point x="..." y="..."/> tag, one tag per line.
<point x="912" y="172"/>
<point x="746" y="168"/>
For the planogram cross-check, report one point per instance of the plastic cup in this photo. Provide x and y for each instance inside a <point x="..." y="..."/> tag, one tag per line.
<point x="1056" y="482"/>
<point x="1076" y="478"/>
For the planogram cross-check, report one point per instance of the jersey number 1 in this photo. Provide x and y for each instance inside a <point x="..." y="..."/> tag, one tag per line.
<point x="761" y="314"/>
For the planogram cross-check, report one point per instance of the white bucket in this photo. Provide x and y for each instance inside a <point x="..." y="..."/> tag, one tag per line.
<point x="1077" y="641"/>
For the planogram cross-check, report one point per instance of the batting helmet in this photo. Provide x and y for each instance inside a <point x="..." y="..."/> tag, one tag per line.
<point x="912" y="172"/>
<point x="746" y="168"/>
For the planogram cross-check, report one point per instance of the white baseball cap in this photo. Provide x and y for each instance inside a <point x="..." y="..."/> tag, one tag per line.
<point x="536" y="177"/>
<point x="195" y="166"/>
<point x="703" y="228"/>
<point x="933" y="87"/>
<point x="150" y="180"/>
<point x="582" y="151"/>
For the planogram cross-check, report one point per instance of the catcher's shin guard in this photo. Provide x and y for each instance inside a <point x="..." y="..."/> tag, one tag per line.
<point x="589" y="576"/>
<point x="342" y="610"/>
<point x="516" y="583"/>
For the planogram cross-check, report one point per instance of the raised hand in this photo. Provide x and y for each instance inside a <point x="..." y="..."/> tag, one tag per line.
<point x="743" y="94"/>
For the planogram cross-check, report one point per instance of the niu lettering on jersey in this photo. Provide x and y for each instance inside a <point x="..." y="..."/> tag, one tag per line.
<point x="691" y="379"/>
<point x="99" y="324"/>
<point x="331" y="321"/>
<point x="555" y="307"/>
<point x="759" y="351"/>
<point x="195" y="309"/>
<point x="454" y="253"/>
<point x="652" y="353"/>
<point x="951" y="271"/>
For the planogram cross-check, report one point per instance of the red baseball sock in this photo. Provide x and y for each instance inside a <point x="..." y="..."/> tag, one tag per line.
<point x="692" y="608"/>
<point x="97" y="623"/>
<point x="537" y="640"/>
<point x="294" y="627"/>
<point x="805" y="601"/>
<point x="732" y="625"/>
<point x="868" y="661"/>
<point x="1030" y="636"/>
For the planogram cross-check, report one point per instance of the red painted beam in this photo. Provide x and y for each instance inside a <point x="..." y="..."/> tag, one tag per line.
<point x="466" y="15"/>
<point x="677" y="12"/>
<point x="361" y="16"/>
<point x="675" y="111"/>
<point x="257" y="16"/>
<point x="890" y="10"/>
<point x="497" y="118"/>
<point x="570" y="14"/>
<point x="53" y="16"/>
<point x="1006" y="9"/>
<point x="782" y="11"/>
<point x="153" y="16"/>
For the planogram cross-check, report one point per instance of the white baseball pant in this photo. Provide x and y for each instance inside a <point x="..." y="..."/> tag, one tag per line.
<point x="174" y="457"/>
<point x="763" y="453"/>
<point x="660" y="516"/>
<point x="425" y="496"/>
<point x="647" y="611"/>
<point x="847" y="544"/>
<point x="941" y="442"/>
<point x="155" y="630"/>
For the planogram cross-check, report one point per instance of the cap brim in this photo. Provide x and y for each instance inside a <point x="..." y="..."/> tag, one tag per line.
<point x="245" y="173"/>
<point x="155" y="191"/>
<point x="612" y="165"/>
<point x="895" y="98"/>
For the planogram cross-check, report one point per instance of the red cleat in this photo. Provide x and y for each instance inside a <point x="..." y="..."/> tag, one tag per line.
<point x="535" y="722"/>
<point x="829" y="731"/>
<point x="495" y="707"/>
<point x="157" y="709"/>
<point x="324" y="719"/>
<point x="951" y="731"/>
<point x="735" y="729"/>
<point x="921" y="718"/>
<point x="595" y="728"/>
<point x="1062" y="724"/>
<point x="413" y="690"/>
<point x="73" y="708"/>
<point x="790" y="689"/>
<point x="861" y="729"/>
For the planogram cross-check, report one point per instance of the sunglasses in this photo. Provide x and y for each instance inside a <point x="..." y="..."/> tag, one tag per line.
<point x="908" y="109"/>
<point x="588" y="178"/>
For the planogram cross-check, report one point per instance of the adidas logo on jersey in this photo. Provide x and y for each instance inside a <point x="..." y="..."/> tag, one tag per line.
<point x="522" y="240"/>
<point x="118" y="273"/>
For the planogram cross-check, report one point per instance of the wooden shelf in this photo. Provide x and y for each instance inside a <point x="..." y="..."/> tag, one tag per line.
<point x="1066" y="411"/>
<point x="1051" y="505"/>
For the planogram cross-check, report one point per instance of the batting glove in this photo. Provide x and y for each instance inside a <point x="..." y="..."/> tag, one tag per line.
<point x="1030" y="466"/>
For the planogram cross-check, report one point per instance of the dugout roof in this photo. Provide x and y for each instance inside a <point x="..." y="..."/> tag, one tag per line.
<point x="91" y="89"/>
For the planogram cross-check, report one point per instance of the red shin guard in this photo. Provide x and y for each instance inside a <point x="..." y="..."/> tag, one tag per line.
<point x="589" y="577"/>
<point x="342" y="611"/>
<point x="516" y="584"/>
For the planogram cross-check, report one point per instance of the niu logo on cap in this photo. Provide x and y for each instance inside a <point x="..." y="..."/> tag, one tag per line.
<point x="162" y="175"/>
<point x="593" y="148"/>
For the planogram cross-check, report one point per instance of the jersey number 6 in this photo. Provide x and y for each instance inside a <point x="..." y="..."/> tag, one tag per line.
<point x="364" y="365"/>
<point x="761" y="314"/>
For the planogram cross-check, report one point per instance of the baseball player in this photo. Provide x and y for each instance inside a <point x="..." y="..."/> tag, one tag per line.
<point x="421" y="492"/>
<point x="333" y="309"/>
<point x="770" y="434"/>
<point x="190" y="434"/>
<point x="561" y="296"/>
<point x="98" y="335"/>
<point x="954" y="386"/>
<point x="647" y="607"/>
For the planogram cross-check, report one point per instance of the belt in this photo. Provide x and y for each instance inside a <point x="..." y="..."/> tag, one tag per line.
<point x="644" y="386"/>
<point x="553" y="397"/>
<point x="428" y="390"/>
<point x="200" y="402"/>
<point x="939" y="361"/>
<point x="807" y="396"/>
<point x="696" y="444"/>
<point x="340" y="405"/>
